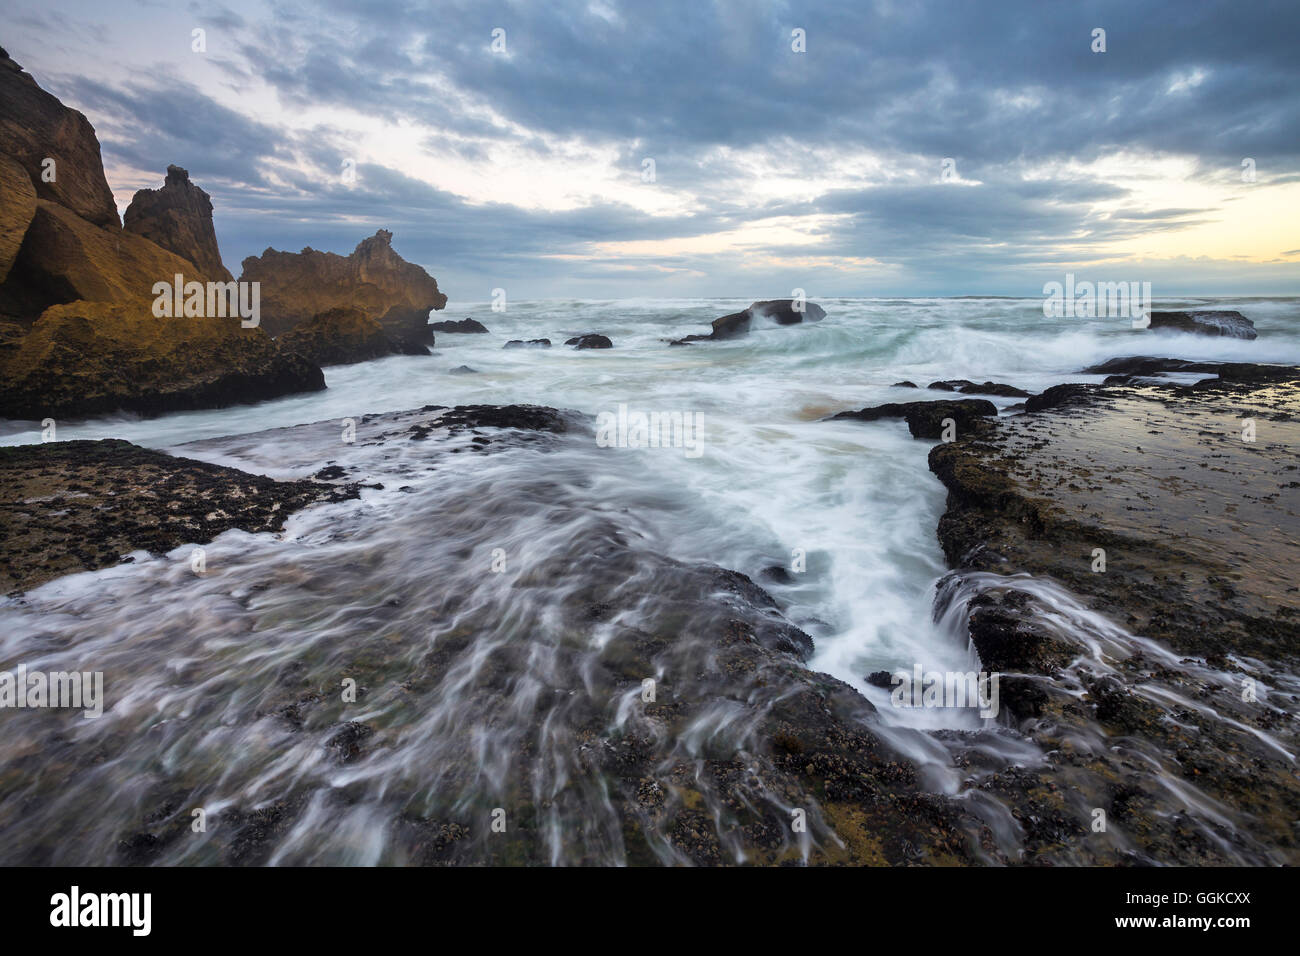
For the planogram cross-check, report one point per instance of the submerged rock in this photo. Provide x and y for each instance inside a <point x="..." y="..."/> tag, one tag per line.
<point x="178" y="218"/>
<point x="1220" y="322"/>
<point x="967" y="387"/>
<point x="530" y="344"/>
<point x="462" y="326"/>
<point x="591" y="340"/>
<point x="926" y="419"/>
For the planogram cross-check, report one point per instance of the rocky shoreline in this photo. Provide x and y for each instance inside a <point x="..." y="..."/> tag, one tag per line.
<point x="1103" y="706"/>
<point x="1143" y="498"/>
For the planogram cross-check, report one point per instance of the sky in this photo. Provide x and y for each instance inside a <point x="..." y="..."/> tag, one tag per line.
<point x="606" y="149"/>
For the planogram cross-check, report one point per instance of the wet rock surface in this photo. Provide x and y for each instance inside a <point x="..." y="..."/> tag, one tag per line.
<point x="1161" y="683"/>
<point x="461" y="326"/>
<point x="83" y="505"/>
<point x="925" y="419"/>
<point x="738" y="324"/>
<point x="1217" y="322"/>
<point x="591" y="340"/>
<point x="967" y="387"/>
<point x="587" y="762"/>
<point x="528" y="344"/>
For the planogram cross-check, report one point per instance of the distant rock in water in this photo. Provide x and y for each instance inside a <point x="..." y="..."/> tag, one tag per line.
<point x="733" y="326"/>
<point x="372" y="278"/>
<point x="925" y="419"/>
<point x="1225" y="323"/>
<point x="905" y="384"/>
<point x="463" y="326"/>
<point x="590" y="341"/>
<point x="345" y="336"/>
<point x="178" y="217"/>
<point x="462" y="370"/>
<point x="971" y="388"/>
<point x="530" y="344"/>
<point x="786" y="312"/>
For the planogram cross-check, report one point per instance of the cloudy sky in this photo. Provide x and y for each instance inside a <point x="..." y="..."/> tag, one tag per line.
<point x="910" y="147"/>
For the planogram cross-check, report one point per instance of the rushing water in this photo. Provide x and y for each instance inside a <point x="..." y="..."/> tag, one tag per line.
<point x="187" y="658"/>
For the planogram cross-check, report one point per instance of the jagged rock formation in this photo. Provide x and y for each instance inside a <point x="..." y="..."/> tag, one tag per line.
<point x="344" y="336"/>
<point x="373" y="278"/>
<point x="178" y="217"/>
<point x="79" y="333"/>
<point x="35" y="127"/>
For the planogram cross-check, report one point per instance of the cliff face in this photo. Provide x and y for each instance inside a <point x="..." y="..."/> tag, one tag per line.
<point x="77" y="331"/>
<point x="373" y="279"/>
<point x="178" y="217"/>
<point x="35" y="127"/>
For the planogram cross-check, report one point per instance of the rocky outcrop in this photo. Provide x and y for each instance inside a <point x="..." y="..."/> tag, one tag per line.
<point x="178" y="217"/>
<point x="71" y="506"/>
<point x="926" y="419"/>
<point x="591" y="340"/>
<point x="64" y="258"/>
<point x="35" y="128"/>
<point x="1221" y="322"/>
<point x="80" y="336"/>
<point x="737" y="324"/>
<point x="345" y="336"/>
<point x="91" y="358"/>
<point x="530" y="344"/>
<point x="1175" y="536"/>
<point x="1039" y="492"/>
<point x="373" y="278"/>
<point x="462" y="326"/>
